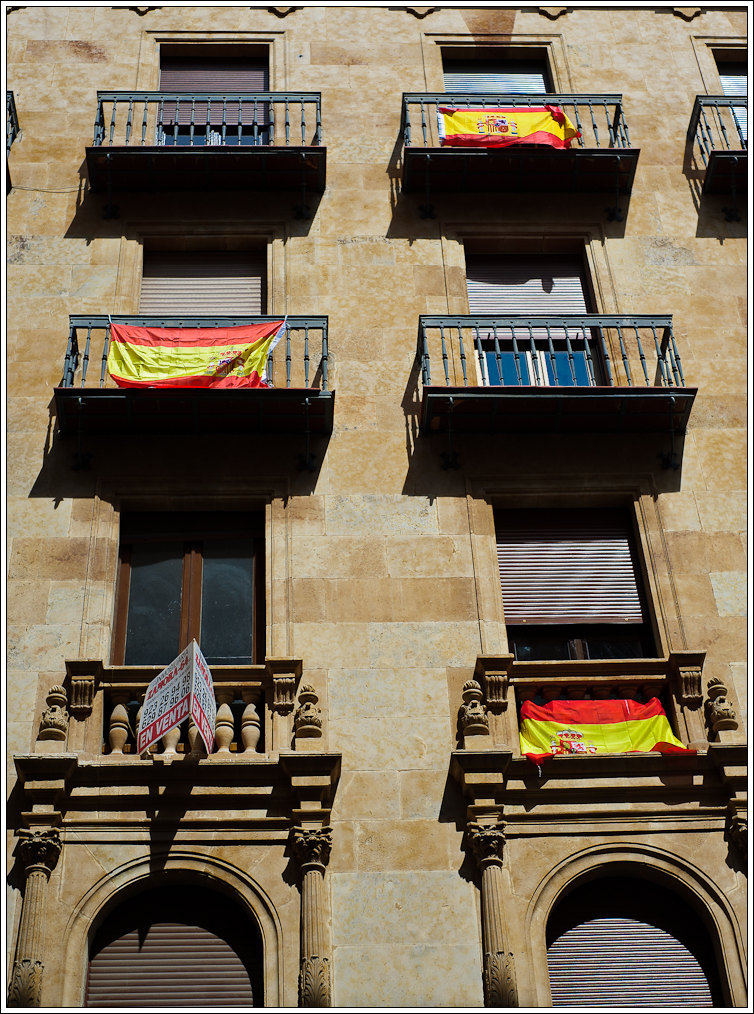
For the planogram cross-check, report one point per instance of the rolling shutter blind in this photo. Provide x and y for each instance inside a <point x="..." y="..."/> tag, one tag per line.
<point x="210" y="74"/>
<point x="173" y="965"/>
<point x="734" y="82"/>
<point x="203" y="283"/>
<point x="566" y="567"/>
<point x="624" y="963"/>
<point x="520" y="285"/>
<point x="518" y="76"/>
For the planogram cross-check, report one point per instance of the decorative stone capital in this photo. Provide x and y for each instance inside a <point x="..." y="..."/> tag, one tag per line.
<point x="26" y="983"/>
<point x="472" y="715"/>
<point x="307" y="722"/>
<point x="500" y="980"/>
<point x="720" y="713"/>
<point x="314" y="982"/>
<point x="54" y="723"/>
<point x="690" y="678"/>
<point x="492" y="672"/>
<point x="487" y="843"/>
<point x="39" y="850"/>
<point x="311" y="846"/>
<point x="285" y="673"/>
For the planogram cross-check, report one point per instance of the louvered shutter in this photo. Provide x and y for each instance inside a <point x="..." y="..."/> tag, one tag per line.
<point x="566" y="567"/>
<point x="516" y="76"/>
<point x="203" y="283"/>
<point x="522" y="285"/>
<point x="172" y="965"/>
<point x="624" y="963"/>
<point x="733" y="79"/>
<point x="196" y="74"/>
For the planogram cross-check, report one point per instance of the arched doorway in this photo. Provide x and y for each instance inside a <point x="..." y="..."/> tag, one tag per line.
<point x="625" y="941"/>
<point x="176" y="945"/>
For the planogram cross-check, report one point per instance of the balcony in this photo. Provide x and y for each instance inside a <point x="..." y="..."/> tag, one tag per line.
<point x="600" y="160"/>
<point x="718" y="137"/>
<point x="256" y="141"/>
<point x="551" y="374"/>
<point x="298" y="399"/>
<point x="11" y="133"/>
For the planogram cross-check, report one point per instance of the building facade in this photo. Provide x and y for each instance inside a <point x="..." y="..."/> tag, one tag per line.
<point x="500" y="464"/>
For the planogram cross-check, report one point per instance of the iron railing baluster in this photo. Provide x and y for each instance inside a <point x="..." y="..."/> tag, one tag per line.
<point x="288" y="357"/>
<point x="191" y="126"/>
<point x="569" y="350"/>
<point x="498" y="355"/>
<point x="71" y="357"/>
<point x="605" y="358"/>
<point x="610" y="131"/>
<point x="423" y="108"/>
<point x="287" y="124"/>
<point x="624" y="357"/>
<point x="661" y="364"/>
<point x="517" y="358"/>
<point x="642" y="358"/>
<point x="105" y="350"/>
<point x="306" y="355"/>
<point x="463" y="358"/>
<point x="303" y="125"/>
<point x="85" y="358"/>
<point x="676" y="354"/>
<point x="444" y="350"/>
<point x="324" y="354"/>
<point x="594" y="126"/>
<point x="588" y="357"/>
<point x="112" y="121"/>
<point x="480" y="351"/>
<point x="144" y="122"/>
<point x="426" y="377"/>
<point x="539" y="381"/>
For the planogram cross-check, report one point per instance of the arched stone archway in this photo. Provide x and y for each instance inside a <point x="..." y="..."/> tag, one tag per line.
<point x="698" y="892"/>
<point x="131" y="878"/>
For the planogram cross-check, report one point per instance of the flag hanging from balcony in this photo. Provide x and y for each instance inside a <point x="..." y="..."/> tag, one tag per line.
<point x="589" y="727"/>
<point x="192" y="356"/>
<point x="500" y="128"/>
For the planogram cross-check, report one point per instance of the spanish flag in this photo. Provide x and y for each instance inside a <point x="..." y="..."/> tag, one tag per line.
<point x="500" y="128"/>
<point x="589" y="727"/>
<point x="192" y="356"/>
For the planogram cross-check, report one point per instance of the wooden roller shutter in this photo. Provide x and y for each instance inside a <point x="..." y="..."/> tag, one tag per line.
<point x="173" y="965"/>
<point x="522" y="285"/>
<point x="196" y="74"/>
<point x="567" y="567"/>
<point x="515" y="76"/>
<point x="624" y="963"/>
<point x="734" y="81"/>
<point x="203" y="283"/>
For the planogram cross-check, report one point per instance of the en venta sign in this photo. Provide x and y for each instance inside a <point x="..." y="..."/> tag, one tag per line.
<point x="183" y="688"/>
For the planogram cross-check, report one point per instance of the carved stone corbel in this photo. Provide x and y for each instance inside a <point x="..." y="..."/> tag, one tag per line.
<point x="472" y="715"/>
<point x="720" y="713"/>
<point x="307" y="721"/>
<point x="311" y="848"/>
<point x="53" y="726"/>
<point x="492" y="672"/>
<point x="685" y="671"/>
<point x="286" y="673"/>
<point x="487" y="842"/>
<point x="39" y="852"/>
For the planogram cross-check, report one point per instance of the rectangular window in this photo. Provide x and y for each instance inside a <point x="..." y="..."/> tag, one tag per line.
<point x="190" y="575"/>
<point x="733" y="73"/>
<point x="570" y="585"/>
<point x="511" y="71"/>
<point x="548" y="285"/>
<point x="203" y="282"/>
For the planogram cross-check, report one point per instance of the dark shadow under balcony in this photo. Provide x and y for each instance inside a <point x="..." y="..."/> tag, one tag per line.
<point x="718" y="137"/>
<point x="550" y="374"/>
<point x="297" y="399"/>
<point x="11" y="133"/>
<point x="599" y="160"/>
<point x="262" y="141"/>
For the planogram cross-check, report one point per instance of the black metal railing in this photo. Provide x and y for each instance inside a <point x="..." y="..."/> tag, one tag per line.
<point x="211" y="118"/>
<point x="718" y="123"/>
<point x="564" y="350"/>
<point x="298" y="361"/>
<point x="598" y="118"/>
<point x="11" y="121"/>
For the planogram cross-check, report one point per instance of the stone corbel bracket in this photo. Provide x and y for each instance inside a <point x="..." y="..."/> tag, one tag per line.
<point x="313" y="782"/>
<point x="481" y="775"/>
<point x="45" y="779"/>
<point x="731" y="762"/>
<point x="493" y="673"/>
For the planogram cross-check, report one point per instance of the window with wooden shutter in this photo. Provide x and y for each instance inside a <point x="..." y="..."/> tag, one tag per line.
<point x="204" y="282"/>
<point x="570" y="585"/>
<point x="626" y="942"/>
<point x="176" y="947"/>
<point x="517" y="74"/>
<point x="734" y="81"/>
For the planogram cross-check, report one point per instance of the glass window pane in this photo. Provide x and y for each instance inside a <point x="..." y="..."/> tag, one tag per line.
<point x="227" y="627"/>
<point x="506" y="362"/>
<point x="154" y="604"/>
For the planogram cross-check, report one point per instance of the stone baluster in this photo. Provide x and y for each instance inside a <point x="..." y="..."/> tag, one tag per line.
<point x="170" y="742"/>
<point x="312" y="850"/>
<point x="487" y="842"/>
<point x="251" y="726"/>
<point x="39" y="852"/>
<point x="120" y="727"/>
<point x="224" y="724"/>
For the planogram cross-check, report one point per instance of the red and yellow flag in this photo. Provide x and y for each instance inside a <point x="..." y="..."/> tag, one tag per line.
<point x="500" y="128"/>
<point x="192" y="356"/>
<point x="589" y="727"/>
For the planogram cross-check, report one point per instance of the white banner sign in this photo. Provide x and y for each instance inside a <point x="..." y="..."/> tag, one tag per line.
<point x="182" y="688"/>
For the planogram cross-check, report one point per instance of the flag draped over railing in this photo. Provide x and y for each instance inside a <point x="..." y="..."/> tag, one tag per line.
<point x="591" y="727"/>
<point x="500" y="128"/>
<point x="215" y="357"/>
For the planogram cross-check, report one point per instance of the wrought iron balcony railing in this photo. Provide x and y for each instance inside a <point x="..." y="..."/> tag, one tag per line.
<point x="11" y="121"/>
<point x="296" y="371"/>
<point x="531" y="360"/>
<point x="718" y="136"/>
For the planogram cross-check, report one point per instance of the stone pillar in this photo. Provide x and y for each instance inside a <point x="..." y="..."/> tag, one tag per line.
<point x="312" y="850"/>
<point x="39" y="852"/>
<point x="487" y="843"/>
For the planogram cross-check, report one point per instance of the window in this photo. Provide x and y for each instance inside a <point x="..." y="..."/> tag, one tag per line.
<point x="203" y="282"/>
<point x="549" y="285"/>
<point x="570" y="585"/>
<point x="211" y="68"/>
<point x="733" y="81"/>
<point x="190" y="575"/>
<point x="503" y="71"/>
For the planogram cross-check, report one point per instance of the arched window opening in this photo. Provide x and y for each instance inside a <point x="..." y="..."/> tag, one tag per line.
<point x="176" y="946"/>
<point x="620" y="941"/>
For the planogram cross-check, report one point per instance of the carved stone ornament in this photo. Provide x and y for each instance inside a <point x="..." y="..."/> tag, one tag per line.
<point x="26" y="983"/>
<point x="687" y="13"/>
<point x="720" y="712"/>
<point x="500" y="981"/>
<point x="691" y="686"/>
<point x="284" y="690"/>
<point x="312" y="845"/>
<point x="307" y="721"/>
<point x="39" y="848"/>
<point x="472" y="714"/>
<point x="54" y="723"/>
<point x="282" y="12"/>
<point x="738" y="829"/>
<point x="82" y="695"/>
<point x="421" y="12"/>
<point x="487" y="842"/>
<point x="141" y="11"/>
<point x="553" y="13"/>
<point x="314" y="982"/>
